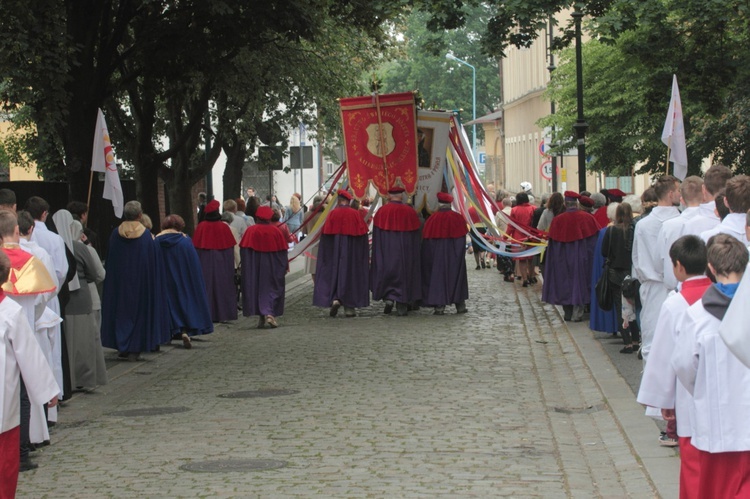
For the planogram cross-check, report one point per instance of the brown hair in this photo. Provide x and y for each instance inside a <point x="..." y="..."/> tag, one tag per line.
<point x="691" y="191"/>
<point x="738" y="194"/>
<point x="716" y="178"/>
<point x="8" y="223"/>
<point x="173" y="221"/>
<point x="664" y="185"/>
<point x="623" y="216"/>
<point x="727" y="254"/>
<point x="556" y="203"/>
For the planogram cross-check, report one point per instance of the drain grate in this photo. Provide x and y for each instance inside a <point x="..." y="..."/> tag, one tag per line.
<point x="149" y="411"/>
<point x="233" y="465"/>
<point x="580" y="410"/>
<point x="263" y="393"/>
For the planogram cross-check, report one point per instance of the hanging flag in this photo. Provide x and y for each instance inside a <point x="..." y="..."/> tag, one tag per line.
<point x="380" y="136"/>
<point x="673" y="134"/>
<point x="103" y="160"/>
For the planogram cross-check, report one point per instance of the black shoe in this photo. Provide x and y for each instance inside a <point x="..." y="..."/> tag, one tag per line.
<point x="478" y="267"/>
<point x="388" y="307"/>
<point x="525" y="284"/>
<point x="627" y="350"/>
<point x="401" y="309"/>
<point x="483" y="266"/>
<point x="334" y="308"/>
<point x="27" y="465"/>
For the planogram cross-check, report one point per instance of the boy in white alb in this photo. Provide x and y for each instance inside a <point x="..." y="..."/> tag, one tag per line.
<point x="718" y="381"/>
<point x="659" y="385"/>
<point x="19" y="353"/>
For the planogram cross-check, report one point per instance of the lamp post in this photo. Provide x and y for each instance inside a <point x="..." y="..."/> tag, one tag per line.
<point x="580" y="125"/>
<point x="452" y="57"/>
<point x="551" y="68"/>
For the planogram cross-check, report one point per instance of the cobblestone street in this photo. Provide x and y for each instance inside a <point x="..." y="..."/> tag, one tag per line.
<point x="499" y="402"/>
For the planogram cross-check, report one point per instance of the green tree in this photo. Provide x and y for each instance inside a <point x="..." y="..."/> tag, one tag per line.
<point x="443" y="84"/>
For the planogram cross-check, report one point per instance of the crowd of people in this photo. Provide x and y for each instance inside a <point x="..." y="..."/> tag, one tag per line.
<point x="658" y="248"/>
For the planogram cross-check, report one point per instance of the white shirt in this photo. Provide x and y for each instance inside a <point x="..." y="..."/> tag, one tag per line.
<point x="733" y="224"/>
<point x="719" y="382"/>
<point x="647" y="262"/>
<point x="659" y="385"/>
<point x="20" y="354"/>
<point x="671" y="231"/>
<point x="54" y="245"/>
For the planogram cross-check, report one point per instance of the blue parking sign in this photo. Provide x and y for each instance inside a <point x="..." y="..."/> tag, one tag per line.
<point x="482" y="158"/>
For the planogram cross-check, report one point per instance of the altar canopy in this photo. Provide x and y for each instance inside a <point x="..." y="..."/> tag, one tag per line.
<point x="380" y="137"/>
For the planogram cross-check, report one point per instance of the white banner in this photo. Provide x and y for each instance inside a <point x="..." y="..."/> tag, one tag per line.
<point x="432" y="132"/>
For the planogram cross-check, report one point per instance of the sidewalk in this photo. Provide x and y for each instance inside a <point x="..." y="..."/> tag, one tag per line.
<point x="505" y="401"/>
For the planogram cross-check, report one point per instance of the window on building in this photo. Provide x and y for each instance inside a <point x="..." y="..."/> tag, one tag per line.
<point x="625" y="184"/>
<point x="329" y="168"/>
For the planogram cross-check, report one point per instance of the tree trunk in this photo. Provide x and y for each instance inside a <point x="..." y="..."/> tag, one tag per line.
<point x="232" y="180"/>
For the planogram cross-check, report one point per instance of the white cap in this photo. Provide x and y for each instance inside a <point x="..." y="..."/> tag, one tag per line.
<point x="526" y="186"/>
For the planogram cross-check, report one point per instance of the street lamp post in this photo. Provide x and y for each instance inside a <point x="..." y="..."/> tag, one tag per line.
<point x="580" y="125"/>
<point x="473" y="104"/>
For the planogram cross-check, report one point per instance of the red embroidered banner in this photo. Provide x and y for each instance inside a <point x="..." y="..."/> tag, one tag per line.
<point x="380" y="136"/>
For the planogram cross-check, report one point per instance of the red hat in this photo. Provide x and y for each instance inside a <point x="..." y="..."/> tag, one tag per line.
<point x="264" y="213"/>
<point x="444" y="197"/>
<point x="572" y="195"/>
<point x="212" y="206"/>
<point x="586" y="201"/>
<point x="343" y="193"/>
<point x="396" y="190"/>
<point x="616" y="193"/>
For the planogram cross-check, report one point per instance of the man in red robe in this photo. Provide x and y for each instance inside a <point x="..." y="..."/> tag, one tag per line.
<point x="343" y="253"/>
<point x="214" y="242"/>
<point x="265" y="262"/>
<point x="395" y="272"/>
<point x="570" y="252"/>
<point x="444" y="279"/>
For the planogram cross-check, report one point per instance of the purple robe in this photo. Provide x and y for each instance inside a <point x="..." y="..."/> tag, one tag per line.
<point x="342" y="271"/>
<point x="263" y="282"/>
<point x="218" y="274"/>
<point x="395" y="273"/>
<point x="567" y="271"/>
<point x="444" y="278"/>
<point x="134" y="298"/>
<point x="186" y="290"/>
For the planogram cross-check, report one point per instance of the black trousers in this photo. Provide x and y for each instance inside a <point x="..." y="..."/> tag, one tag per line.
<point x="25" y="418"/>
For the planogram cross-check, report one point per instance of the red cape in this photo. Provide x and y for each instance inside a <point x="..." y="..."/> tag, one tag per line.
<point x="572" y="226"/>
<point x="397" y="217"/>
<point x="601" y="217"/>
<point x="445" y="224"/>
<point x="346" y="221"/>
<point x="213" y="236"/>
<point x="265" y="238"/>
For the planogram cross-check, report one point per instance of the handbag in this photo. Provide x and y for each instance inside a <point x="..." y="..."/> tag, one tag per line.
<point x="604" y="290"/>
<point x="603" y="287"/>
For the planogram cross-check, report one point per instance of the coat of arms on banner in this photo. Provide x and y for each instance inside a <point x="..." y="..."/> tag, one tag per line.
<point x="380" y="138"/>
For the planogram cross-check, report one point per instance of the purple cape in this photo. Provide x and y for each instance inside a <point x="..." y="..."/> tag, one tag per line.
<point x="567" y="271"/>
<point x="263" y="282"/>
<point x="342" y="272"/>
<point x="134" y="298"/>
<point x="444" y="278"/>
<point x="600" y="320"/>
<point x="218" y="274"/>
<point x="186" y="290"/>
<point x="395" y="273"/>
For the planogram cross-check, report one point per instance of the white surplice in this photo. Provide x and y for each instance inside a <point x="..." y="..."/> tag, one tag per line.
<point x="733" y="224"/>
<point x="718" y="381"/>
<point x="649" y="269"/>
<point x="20" y="354"/>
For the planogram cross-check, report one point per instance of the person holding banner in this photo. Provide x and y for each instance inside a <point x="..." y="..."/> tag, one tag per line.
<point x="395" y="272"/>
<point x="444" y="279"/>
<point x="343" y="254"/>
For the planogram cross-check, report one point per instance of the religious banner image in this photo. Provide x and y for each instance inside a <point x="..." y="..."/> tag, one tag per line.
<point x="433" y="128"/>
<point x="380" y="137"/>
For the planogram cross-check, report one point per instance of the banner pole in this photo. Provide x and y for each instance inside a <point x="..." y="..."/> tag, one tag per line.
<point x="382" y="142"/>
<point x="88" y="199"/>
<point x="669" y="150"/>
